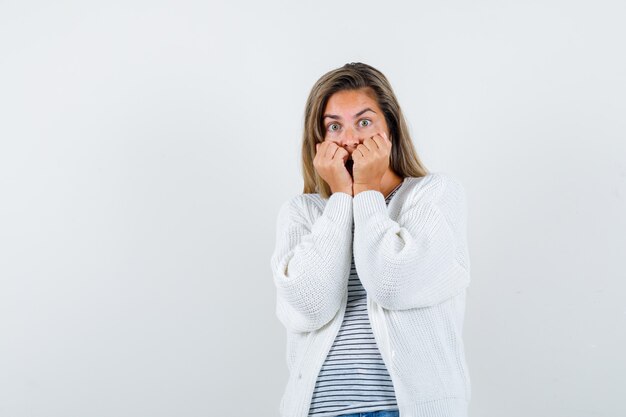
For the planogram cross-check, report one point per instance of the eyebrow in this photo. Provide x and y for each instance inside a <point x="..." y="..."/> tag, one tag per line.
<point x="334" y="116"/>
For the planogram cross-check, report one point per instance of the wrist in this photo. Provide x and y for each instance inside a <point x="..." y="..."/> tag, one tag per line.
<point x="342" y="190"/>
<point x="358" y="188"/>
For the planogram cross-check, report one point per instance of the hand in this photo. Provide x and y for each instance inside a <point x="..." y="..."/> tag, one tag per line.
<point x="329" y="162"/>
<point x="371" y="161"/>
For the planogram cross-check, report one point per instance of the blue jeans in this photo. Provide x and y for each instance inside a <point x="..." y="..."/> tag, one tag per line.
<point x="381" y="413"/>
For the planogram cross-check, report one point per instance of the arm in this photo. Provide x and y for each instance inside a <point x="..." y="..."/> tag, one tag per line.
<point x="420" y="260"/>
<point x="311" y="262"/>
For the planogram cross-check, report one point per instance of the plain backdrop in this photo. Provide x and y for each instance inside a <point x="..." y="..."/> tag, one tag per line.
<point x="146" y="146"/>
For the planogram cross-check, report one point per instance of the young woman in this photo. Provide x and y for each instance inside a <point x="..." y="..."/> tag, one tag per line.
<point x="371" y="264"/>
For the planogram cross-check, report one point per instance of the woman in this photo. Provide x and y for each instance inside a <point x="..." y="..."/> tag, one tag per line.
<point x="371" y="264"/>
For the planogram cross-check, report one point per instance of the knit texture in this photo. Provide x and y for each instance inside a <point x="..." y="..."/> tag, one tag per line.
<point x="353" y="378"/>
<point x="413" y="261"/>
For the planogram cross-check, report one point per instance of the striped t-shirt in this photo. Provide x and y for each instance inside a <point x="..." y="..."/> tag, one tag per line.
<point x="354" y="378"/>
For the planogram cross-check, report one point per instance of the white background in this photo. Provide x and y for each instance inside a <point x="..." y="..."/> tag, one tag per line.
<point x="145" y="148"/>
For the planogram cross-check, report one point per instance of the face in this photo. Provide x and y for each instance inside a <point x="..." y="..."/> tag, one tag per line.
<point x="350" y="117"/>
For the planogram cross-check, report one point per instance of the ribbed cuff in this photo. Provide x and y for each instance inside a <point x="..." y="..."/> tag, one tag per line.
<point x="338" y="208"/>
<point x="368" y="203"/>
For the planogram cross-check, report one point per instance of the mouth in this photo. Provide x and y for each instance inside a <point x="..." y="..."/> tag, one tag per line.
<point x="349" y="165"/>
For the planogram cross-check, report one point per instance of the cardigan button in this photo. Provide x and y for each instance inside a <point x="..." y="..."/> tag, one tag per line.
<point x="300" y="375"/>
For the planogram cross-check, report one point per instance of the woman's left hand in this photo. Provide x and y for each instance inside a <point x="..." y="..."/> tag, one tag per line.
<point x="371" y="161"/>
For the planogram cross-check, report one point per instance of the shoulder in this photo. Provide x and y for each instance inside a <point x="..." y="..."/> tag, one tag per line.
<point x="438" y="191"/>
<point x="307" y="202"/>
<point x="301" y="207"/>
<point x="434" y="186"/>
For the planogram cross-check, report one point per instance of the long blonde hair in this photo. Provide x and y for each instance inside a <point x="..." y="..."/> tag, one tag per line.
<point x="354" y="76"/>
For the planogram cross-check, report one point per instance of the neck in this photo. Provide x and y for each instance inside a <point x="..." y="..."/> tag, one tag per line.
<point x="389" y="181"/>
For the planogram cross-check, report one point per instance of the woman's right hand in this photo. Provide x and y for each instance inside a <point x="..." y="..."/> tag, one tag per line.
<point x="329" y="162"/>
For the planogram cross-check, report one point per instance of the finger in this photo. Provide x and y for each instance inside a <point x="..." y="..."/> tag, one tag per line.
<point x="363" y="149"/>
<point x="342" y="153"/>
<point x="320" y="150"/>
<point x="365" y="145"/>
<point x="383" y="142"/>
<point x="359" y="152"/>
<point x="323" y="148"/>
<point x="387" y="138"/>
<point x="374" y="142"/>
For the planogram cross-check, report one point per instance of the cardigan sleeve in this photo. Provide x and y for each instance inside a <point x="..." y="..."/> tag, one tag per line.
<point x="420" y="260"/>
<point x="311" y="261"/>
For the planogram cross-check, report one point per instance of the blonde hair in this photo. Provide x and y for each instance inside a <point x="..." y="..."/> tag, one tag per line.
<point x="355" y="76"/>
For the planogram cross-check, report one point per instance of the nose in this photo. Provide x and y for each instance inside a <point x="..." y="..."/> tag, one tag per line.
<point x="350" y="139"/>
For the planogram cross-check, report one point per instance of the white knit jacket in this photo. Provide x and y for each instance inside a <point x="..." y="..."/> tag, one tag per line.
<point x="413" y="261"/>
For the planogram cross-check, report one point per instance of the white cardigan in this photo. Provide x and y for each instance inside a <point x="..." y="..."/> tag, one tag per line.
<point x="411" y="257"/>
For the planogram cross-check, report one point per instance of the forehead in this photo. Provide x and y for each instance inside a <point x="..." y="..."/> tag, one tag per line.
<point x="349" y="100"/>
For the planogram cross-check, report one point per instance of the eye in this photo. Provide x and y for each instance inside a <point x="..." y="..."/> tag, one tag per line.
<point x="366" y="120"/>
<point x="330" y="127"/>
